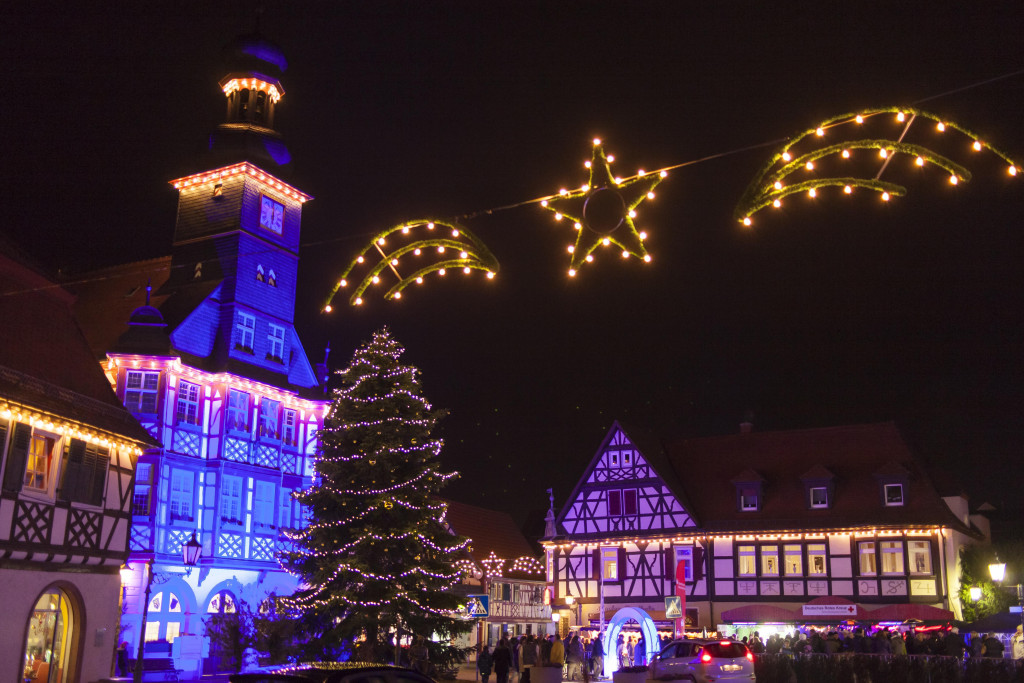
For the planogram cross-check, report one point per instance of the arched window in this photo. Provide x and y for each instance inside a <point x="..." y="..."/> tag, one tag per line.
<point x="222" y="603"/>
<point x="165" y="618"/>
<point x="243" y="104"/>
<point x="47" y="642"/>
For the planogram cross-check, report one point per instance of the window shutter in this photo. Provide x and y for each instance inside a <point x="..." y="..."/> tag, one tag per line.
<point x="596" y="564"/>
<point x="14" y="475"/>
<point x="622" y="564"/>
<point x="97" y="460"/>
<point x="72" y="479"/>
<point x="670" y="563"/>
<point x="698" y="563"/>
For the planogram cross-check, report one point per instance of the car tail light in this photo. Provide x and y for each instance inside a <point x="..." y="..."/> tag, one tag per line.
<point x="706" y="657"/>
<point x="750" y="655"/>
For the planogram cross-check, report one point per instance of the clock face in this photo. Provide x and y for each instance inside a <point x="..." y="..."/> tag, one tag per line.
<point x="271" y="214"/>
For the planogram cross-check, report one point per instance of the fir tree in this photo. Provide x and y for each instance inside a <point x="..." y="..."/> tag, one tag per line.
<point x="376" y="557"/>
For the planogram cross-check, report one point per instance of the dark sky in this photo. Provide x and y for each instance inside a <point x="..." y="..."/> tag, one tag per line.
<point x="836" y="311"/>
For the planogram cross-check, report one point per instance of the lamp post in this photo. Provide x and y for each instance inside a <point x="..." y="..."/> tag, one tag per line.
<point x="190" y="555"/>
<point x="998" y="572"/>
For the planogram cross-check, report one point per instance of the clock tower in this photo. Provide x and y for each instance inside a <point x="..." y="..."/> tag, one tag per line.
<point x="236" y="238"/>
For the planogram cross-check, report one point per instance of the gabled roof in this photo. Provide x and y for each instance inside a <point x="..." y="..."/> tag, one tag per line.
<point x="855" y="454"/>
<point x="45" y="362"/>
<point x="651" y="449"/>
<point x="490" y="532"/>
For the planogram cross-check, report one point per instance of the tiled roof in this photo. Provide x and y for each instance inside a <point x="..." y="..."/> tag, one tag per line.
<point x="45" y="361"/>
<point x="490" y="531"/>
<point x="857" y="455"/>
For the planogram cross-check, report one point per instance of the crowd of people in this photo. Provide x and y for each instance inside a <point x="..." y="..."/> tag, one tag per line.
<point x="510" y="660"/>
<point x="949" y="643"/>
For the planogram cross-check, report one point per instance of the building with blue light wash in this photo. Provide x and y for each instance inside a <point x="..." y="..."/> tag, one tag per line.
<point x="211" y="365"/>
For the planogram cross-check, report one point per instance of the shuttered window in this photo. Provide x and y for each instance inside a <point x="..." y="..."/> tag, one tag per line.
<point x="84" y="473"/>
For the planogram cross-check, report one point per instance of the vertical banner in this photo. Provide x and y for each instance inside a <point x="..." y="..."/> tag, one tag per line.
<point x="684" y="573"/>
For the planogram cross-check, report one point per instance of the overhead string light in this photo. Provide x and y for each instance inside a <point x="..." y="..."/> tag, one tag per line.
<point x="781" y="176"/>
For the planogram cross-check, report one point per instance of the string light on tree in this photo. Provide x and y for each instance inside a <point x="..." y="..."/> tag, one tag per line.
<point x="801" y="152"/>
<point x="377" y="556"/>
<point x="603" y="209"/>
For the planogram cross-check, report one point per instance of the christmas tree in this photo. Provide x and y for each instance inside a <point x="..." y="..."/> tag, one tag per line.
<point x="376" y="558"/>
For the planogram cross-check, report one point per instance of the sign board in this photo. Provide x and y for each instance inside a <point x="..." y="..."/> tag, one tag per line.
<point x="830" y="610"/>
<point x="673" y="607"/>
<point x="1015" y="609"/>
<point x="477" y="606"/>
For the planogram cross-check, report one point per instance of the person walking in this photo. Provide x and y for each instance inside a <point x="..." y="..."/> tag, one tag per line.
<point x="502" y="661"/>
<point x="574" y="658"/>
<point x="484" y="663"/>
<point x="597" y="656"/>
<point x="993" y="646"/>
<point x="1017" y="643"/>
<point x="528" y="656"/>
<point x="557" y="654"/>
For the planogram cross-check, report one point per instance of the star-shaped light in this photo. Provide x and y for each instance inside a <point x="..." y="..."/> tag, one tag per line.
<point x="603" y="210"/>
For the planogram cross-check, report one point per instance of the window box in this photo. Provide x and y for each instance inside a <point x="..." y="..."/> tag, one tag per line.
<point x="274" y="359"/>
<point x="244" y="349"/>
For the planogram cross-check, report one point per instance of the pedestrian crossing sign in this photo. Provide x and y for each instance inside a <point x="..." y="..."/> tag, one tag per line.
<point x="673" y="607"/>
<point x="477" y="606"/>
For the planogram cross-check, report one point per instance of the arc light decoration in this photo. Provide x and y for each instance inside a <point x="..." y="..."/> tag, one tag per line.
<point x="423" y="247"/>
<point x="602" y="210"/>
<point x="781" y="176"/>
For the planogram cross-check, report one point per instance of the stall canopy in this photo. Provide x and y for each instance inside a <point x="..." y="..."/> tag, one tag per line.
<point x="760" y="614"/>
<point x="905" y="611"/>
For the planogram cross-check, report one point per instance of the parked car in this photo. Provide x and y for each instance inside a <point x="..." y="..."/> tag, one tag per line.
<point x="702" y="661"/>
<point x="356" y="674"/>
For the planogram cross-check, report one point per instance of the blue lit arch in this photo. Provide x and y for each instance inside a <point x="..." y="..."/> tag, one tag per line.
<point x="611" y="635"/>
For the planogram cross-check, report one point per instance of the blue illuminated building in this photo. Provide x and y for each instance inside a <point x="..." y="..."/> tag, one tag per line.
<point x="212" y="367"/>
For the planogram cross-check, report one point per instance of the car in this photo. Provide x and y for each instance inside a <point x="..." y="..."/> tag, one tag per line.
<point x="703" y="661"/>
<point x="349" y="674"/>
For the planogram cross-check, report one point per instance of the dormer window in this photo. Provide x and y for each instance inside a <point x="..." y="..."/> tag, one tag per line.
<point x="749" y="491"/>
<point x="819" y="496"/>
<point x="893" y="494"/>
<point x="748" y="499"/>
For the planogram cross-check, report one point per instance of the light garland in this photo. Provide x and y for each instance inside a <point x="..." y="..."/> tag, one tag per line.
<point x="39" y="419"/>
<point x="603" y="210"/>
<point x="274" y="90"/>
<point x="472" y="254"/>
<point x="196" y="180"/>
<point x="769" y="187"/>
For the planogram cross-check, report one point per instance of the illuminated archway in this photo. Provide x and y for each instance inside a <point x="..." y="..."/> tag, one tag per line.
<point x="611" y="636"/>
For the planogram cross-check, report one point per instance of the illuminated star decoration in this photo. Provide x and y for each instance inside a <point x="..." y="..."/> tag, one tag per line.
<point x="416" y="242"/>
<point x="603" y="210"/>
<point x="794" y="167"/>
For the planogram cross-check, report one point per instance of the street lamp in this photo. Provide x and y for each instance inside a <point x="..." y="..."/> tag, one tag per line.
<point x="190" y="552"/>
<point x="975" y="593"/>
<point x="998" y="572"/>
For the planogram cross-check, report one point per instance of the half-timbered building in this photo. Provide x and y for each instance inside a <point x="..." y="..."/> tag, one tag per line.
<point x="212" y="366"/>
<point x="68" y="452"/>
<point x="794" y="527"/>
<point x="501" y="564"/>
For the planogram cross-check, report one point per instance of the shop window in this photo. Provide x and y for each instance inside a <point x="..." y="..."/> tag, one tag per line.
<point x="816" y="559"/>
<point x="747" y="560"/>
<point x="769" y="560"/>
<point x="793" y="556"/>
<point x="892" y="557"/>
<point x="50" y="630"/>
<point x="920" y="557"/>
<point x="868" y="564"/>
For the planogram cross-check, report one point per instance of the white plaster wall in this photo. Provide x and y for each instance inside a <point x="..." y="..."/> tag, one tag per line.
<point x="96" y="621"/>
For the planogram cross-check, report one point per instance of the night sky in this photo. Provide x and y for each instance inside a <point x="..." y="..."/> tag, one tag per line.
<point x="832" y="311"/>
